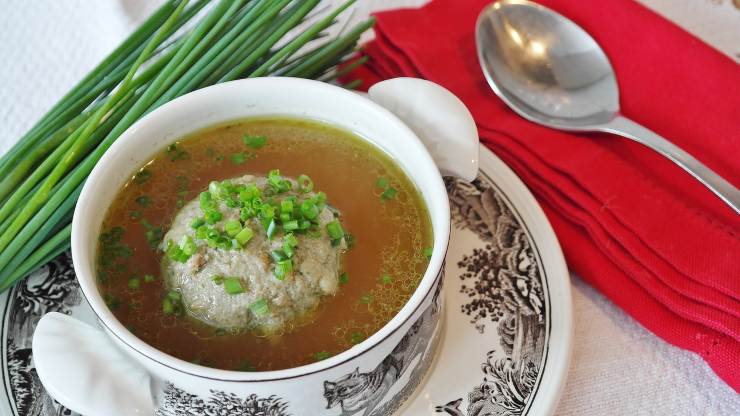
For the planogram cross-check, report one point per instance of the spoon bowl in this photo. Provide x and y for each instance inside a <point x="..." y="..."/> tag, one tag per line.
<point x="551" y="72"/>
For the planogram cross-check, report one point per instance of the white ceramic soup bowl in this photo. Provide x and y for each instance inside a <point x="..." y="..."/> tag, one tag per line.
<point x="119" y="374"/>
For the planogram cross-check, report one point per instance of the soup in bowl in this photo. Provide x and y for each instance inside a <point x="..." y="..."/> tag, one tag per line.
<point x="274" y="242"/>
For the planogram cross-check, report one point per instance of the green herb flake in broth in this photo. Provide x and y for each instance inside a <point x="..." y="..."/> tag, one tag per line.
<point x="153" y="234"/>
<point x="366" y="299"/>
<point x="174" y="153"/>
<point x="322" y="355"/>
<point x="255" y="142"/>
<point x="344" y="278"/>
<point x="386" y="279"/>
<point x="388" y="194"/>
<point x="428" y="252"/>
<point x="238" y="158"/>
<point x="356" y="338"/>
<point x="134" y="283"/>
<point x="143" y="201"/>
<point x="135" y="215"/>
<point x="381" y="183"/>
<point x="111" y="301"/>
<point x="218" y="279"/>
<point x="148" y="278"/>
<point x="246" y="366"/>
<point x="111" y="247"/>
<point x="142" y="176"/>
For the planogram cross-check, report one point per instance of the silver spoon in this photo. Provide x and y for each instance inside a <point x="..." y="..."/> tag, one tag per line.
<point x="551" y="72"/>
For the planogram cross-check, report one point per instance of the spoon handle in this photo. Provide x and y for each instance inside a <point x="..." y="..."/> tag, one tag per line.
<point x="627" y="128"/>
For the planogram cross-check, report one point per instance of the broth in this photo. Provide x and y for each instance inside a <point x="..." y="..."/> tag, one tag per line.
<point x="392" y="240"/>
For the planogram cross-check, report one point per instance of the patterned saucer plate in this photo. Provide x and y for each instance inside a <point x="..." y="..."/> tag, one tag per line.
<point x="507" y="330"/>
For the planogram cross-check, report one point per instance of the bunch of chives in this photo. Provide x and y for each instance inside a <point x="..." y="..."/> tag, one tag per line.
<point x="175" y="51"/>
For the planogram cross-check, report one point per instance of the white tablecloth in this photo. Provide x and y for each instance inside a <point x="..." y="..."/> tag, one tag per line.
<point x="618" y="367"/>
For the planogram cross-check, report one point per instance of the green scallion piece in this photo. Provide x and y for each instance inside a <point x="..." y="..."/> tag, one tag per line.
<point x="148" y="278"/>
<point x="259" y="307"/>
<point x="283" y="268"/>
<point x="218" y="279"/>
<point x="271" y="229"/>
<point x="238" y="158"/>
<point x="233" y="285"/>
<point x="428" y="252"/>
<point x="232" y="227"/>
<point x="143" y="200"/>
<point x="278" y="255"/>
<point x="322" y="355"/>
<point x="244" y="236"/>
<point x="309" y="210"/>
<point x="188" y="246"/>
<point x="255" y="142"/>
<point x="197" y="223"/>
<point x="286" y="206"/>
<point x="167" y="306"/>
<point x="386" y="279"/>
<point x="335" y="231"/>
<point x="389" y="193"/>
<point x="344" y="278"/>
<point x="291" y="225"/>
<point x="305" y="184"/>
<point x="213" y="216"/>
<point x="142" y="176"/>
<point x="382" y="183"/>
<point x="290" y="240"/>
<point x="134" y="283"/>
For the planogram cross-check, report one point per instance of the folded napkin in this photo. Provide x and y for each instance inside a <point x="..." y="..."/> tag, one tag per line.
<point x="631" y="223"/>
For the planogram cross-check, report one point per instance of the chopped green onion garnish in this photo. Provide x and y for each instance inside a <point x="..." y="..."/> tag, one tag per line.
<point x="428" y="252"/>
<point x="143" y="200"/>
<point x="238" y="158"/>
<point x="244" y="236"/>
<point x="309" y="209"/>
<point x="174" y="295"/>
<point x="174" y="252"/>
<point x="305" y="184"/>
<point x="254" y="142"/>
<point x="291" y="225"/>
<point x="283" y="268"/>
<point x="187" y="245"/>
<point x="335" y="231"/>
<point x="320" y="200"/>
<point x="389" y="193"/>
<point x="290" y="240"/>
<point x="135" y="215"/>
<point x="322" y="355"/>
<point x="286" y="206"/>
<point x="134" y="283"/>
<point x="148" y="278"/>
<point x="385" y="279"/>
<point x="288" y="250"/>
<point x="382" y="183"/>
<point x="344" y="278"/>
<point x="218" y="279"/>
<point x="278" y="255"/>
<point x="233" y="286"/>
<point x="206" y="201"/>
<point x="271" y="229"/>
<point x="167" y="306"/>
<point x="213" y="216"/>
<point x="232" y="227"/>
<point x="197" y="222"/>
<point x="259" y="307"/>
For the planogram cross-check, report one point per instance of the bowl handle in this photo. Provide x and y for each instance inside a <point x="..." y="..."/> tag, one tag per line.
<point x="83" y="370"/>
<point x="438" y="118"/>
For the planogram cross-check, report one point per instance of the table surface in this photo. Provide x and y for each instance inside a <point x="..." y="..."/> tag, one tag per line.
<point x="618" y="367"/>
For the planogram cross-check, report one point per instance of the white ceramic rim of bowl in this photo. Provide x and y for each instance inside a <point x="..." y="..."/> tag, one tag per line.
<point x="82" y="230"/>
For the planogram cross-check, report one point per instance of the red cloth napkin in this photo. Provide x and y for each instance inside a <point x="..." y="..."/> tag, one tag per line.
<point x="631" y="223"/>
